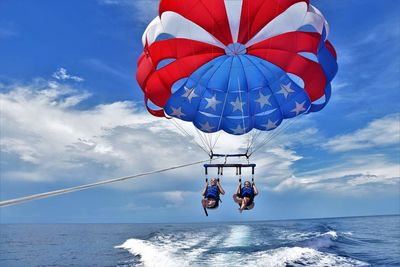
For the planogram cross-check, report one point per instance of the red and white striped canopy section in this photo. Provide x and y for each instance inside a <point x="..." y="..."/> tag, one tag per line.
<point x="222" y="22"/>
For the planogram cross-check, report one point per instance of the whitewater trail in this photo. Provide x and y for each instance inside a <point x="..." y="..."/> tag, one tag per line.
<point x="233" y="247"/>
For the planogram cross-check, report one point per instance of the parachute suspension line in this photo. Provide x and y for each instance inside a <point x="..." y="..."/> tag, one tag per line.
<point x="204" y="137"/>
<point x="210" y="141"/>
<point x="210" y="137"/>
<point x="268" y="136"/>
<point x="252" y="141"/>
<point x="276" y="133"/>
<point x="254" y="138"/>
<point x="248" y="143"/>
<point x="271" y="136"/>
<point x="189" y="136"/>
<point x="185" y="133"/>
<point x="261" y="133"/>
<point x="216" y="140"/>
<point x="204" y="140"/>
<point x="21" y="200"/>
<point x="250" y="137"/>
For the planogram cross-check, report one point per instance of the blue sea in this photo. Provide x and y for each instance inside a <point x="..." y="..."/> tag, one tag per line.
<point x="357" y="241"/>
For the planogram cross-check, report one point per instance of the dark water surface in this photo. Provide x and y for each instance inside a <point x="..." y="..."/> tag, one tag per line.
<point x="360" y="241"/>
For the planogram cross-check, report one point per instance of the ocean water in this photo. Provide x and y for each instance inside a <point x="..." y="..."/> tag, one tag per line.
<point x="358" y="241"/>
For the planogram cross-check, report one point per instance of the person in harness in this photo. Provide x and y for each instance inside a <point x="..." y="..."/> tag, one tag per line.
<point x="211" y="194"/>
<point x="244" y="196"/>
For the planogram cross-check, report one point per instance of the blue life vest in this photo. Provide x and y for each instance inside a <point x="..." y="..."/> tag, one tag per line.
<point x="247" y="192"/>
<point x="212" y="192"/>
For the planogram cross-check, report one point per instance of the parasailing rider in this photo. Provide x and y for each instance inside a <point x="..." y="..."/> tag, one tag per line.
<point x="244" y="196"/>
<point x="211" y="194"/>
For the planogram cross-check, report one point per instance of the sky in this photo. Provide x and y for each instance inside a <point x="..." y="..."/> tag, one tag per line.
<point x="72" y="113"/>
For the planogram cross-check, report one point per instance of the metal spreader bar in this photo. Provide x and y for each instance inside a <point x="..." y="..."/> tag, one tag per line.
<point x="221" y="166"/>
<point x="229" y="155"/>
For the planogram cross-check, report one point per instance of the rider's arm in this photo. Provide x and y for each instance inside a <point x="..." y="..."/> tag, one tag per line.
<point x="221" y="190"/>
<point x="255" y="189"/>
<point x="205" y="189"/>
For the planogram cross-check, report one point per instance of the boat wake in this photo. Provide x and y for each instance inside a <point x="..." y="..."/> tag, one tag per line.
<point x="236" y="247"/>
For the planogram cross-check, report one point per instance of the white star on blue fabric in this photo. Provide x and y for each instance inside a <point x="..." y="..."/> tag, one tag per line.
<point x="238" y="130"/>
<point x="206" y="127"/>
<point x="270" y="125"/>
<point x="212" y="102"/>
<point x="299" y="108"/>
<point x="177" y="112"/>
<point x="237" y="105"/>
<point x="189" y="93"/>
<point x="263" y="100"/>
<point x="286" y="89"/>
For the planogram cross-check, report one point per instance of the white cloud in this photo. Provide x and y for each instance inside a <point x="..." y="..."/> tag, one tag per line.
<point x="110" y="2"/>
<point x="61" y="74"/>
<point x="141" y="10"/>
<point x="106" y="68"/>
<point x="353" y="174"/>
<point x="177" y="198"/>
<point x="339" y="85"/>
<point x="7" y="33"/>
<point x="45" y="137"/>
<point x="8" y="29"/>
<point x="275" y="164"/>
<point x="146" y="10"/>
<point x="381" y="132"/>
<point x="174" y="196"/>
<point x="361" y="174"/>
<point x="43" y="130"/>
<point x="21" y="148"/>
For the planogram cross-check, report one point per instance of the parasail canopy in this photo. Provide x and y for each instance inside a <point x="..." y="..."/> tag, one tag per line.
<point x="236" y="65"/>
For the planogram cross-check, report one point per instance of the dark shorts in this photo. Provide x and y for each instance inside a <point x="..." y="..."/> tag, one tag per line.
<point x="216" y="203"/>
<point x="250" y="202"/>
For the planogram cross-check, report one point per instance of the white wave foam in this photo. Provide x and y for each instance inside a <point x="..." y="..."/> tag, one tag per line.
<point x="230" y="259"/>
<point x="313" y="240"/>
<point x="348" y="233"/>
<point x="194" y="250"/>
<point x="171" y="250"/>
<point x="294" y="256"/>
<point x="300" y="236"/>
<point x="323" y="240"/>
<point x="331" y="233"/>
<point x="239" y="236"/>
<point x="297" y="256"/>
<point x="213" y="241"/>
<point x="152" y="255"/>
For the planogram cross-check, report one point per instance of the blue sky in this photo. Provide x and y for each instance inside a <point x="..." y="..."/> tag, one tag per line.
<point x="72" y="113"/>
